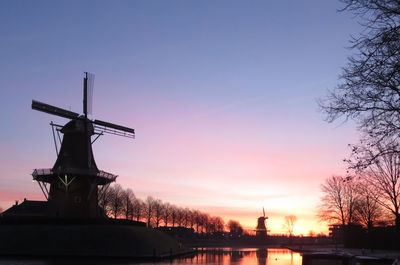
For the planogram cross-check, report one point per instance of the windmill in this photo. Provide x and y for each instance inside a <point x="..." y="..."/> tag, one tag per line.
<point x="72" y="185"/>
<point x="261" y="229"/>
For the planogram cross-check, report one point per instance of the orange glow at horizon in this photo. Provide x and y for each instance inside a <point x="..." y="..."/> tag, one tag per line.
<point x="304" y="226"/>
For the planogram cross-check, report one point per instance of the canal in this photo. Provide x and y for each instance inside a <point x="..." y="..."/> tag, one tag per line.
<point x="204" y="256"/>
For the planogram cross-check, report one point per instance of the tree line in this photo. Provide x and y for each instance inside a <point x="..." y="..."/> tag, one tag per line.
<point x="118" y="202"/>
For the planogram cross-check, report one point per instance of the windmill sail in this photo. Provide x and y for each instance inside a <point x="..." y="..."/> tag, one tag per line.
<point x="36" y="105"/>
<point x="88" y="86"/>
<point x="112" y="128"/>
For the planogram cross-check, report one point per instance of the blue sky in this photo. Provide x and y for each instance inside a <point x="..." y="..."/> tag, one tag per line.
<point x="222" y="95"/>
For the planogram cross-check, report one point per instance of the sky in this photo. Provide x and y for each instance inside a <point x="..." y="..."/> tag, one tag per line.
<point x="222" y="95"/>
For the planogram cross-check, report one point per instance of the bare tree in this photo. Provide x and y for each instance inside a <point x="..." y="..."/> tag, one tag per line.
<point x="149" y="205"/>
<point x="368" y="209"/>
<point x="138" y="209"/>
<point x="157" y="211"/>
<point x="351" y="200"/>
<point x="116" y="202"/>
<point x="210" y="225"/>
<point x="383" y="172"/>
<point x="200" y="221"/>
<point x="370" y="88"/>
<point x="104" y="199"/>
<point x="290" y="221"/>
<point x="234" y="228"/>
<point x="186" y="216"/>
<point x="219" y="224"/>
<point x="166" y="213"/>
<point x="215" y="224"/>
<point x="203" y="220"/>
<point x="338" y="202"/>
<point x="192" y="218"/>
<point x="128" y="198"/>
<point x="180" y="214"/>
<point x="174" y="213"/>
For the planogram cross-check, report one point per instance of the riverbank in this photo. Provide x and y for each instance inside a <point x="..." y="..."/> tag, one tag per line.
<point x="87" y="240"/>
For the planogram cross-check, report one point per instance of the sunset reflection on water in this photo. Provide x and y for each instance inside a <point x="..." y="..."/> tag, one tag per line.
<point x="204" y="256"/>
<point x="243" y="256"/>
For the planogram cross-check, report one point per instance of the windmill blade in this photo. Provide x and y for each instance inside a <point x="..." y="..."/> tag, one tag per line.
<point x="88" y="85"/>
<point x="90" y="93"/>
<point x="36" y="105"/>
<point x="112" y="128"/>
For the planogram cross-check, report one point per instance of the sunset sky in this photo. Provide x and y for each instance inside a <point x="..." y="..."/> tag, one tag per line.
<point x="222" y="95"/>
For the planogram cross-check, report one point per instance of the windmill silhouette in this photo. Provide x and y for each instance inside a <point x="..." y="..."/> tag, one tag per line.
<point x="261" y="229"/>
<point x="73" y="184"/>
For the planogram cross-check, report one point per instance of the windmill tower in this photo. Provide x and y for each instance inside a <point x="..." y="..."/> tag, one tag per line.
<point x="261" y="229"/>
<point x="72" y="185"/>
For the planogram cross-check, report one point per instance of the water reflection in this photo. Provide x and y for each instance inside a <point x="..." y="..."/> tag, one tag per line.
<point x="262" y="254"/>
<point x="243" y="256"/>
<point x="205" y="256"/>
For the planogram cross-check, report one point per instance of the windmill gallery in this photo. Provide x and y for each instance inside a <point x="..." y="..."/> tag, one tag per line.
<point x="70" y="222"/>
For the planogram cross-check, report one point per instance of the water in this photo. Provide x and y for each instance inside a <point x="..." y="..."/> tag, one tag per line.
<point x="206" y="256"/>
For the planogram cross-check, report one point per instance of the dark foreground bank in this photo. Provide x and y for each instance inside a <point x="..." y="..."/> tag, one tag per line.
<point x="114" y="240"/>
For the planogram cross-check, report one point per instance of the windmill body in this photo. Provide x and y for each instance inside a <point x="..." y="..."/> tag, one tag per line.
<point x="74" y="177"/>
<point x="261" y="229"/>
<point x="72" y="185"/>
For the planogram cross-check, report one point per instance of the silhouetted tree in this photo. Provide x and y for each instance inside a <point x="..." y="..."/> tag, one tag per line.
<point x="195" y="216"/>
<point x="138" y="209"/>
<point x="368" y="210"/>
<point x="166" y="213"/>
<point x="186" y="217"/>
<point x="338" y="202"/>
<point x="202" y="218"/>
<point x="174" y="213"/>
<point x="216" y="225"/>
<point x="149" y="205"/>
<point x="157" y="211"/>
<point x="116" y="202"/>
<point x="128" y="198"/>
<point x="192" y="218"/>
<point x="290" y="221"/>
<point x="104" y="199"/>
<point x="207" y="223"/>
<point x="180" y="216"/>
<point x="369" y="91"/>
<point x="381" y="168"/>
<point x="199" y="220"/>
<point x="234" y="228"/>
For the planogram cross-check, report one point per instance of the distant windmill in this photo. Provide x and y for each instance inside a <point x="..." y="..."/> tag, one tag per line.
<point x="261" y="229"/>
<point x="74" y="179"/>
